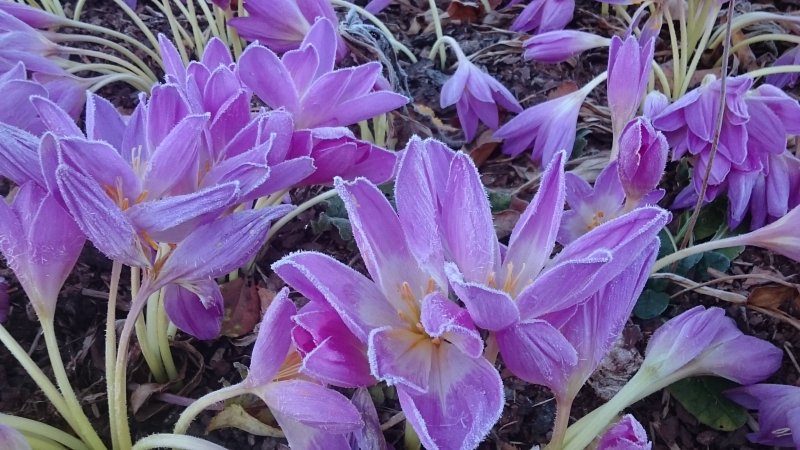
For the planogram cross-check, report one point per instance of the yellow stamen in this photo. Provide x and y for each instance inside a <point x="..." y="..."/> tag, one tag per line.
<point x="290" y="367"/>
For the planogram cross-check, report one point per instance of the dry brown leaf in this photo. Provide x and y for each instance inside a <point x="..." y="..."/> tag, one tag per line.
<point x="485" y="145"/>
<point x="242" y="307"/>
<point x="772" y="297"/>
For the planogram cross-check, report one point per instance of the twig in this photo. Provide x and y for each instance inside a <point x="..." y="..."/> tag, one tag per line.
<point x="717" y="129"/>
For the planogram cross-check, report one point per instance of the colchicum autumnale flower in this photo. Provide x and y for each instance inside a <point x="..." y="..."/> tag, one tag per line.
<point x="778" y="409"/>
<point x="558" y="46"/>
<point x="628" y="72"/>
<point x="476" y="95"/>
<point x="627" y="434"/>
<point x="541" y="16"/>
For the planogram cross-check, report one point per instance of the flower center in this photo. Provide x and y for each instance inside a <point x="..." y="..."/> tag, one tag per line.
<point x="409" y="310"/>
<point x="510" y="281"/>
<point x="598" y="218"/>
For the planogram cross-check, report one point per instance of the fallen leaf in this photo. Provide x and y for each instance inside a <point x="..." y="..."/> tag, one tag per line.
<point x="772" y="297"/>
<point x="242" y="307"/>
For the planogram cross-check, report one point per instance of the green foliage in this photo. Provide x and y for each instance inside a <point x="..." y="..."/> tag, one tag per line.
<point x="703" y="398"/>
<point x="651" y="304"/>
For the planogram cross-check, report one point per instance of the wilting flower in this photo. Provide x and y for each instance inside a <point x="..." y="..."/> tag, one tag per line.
<point x="540" y="16"/>
<point x="558" y="46"/>
<point x="310" y="415"/>
<point x="643" y="153"/>
<point x="304" y="82"/>
<point x="628" y="72"/>
<point x="284" y="25"/>
<point x="11" y="439"/>
<point x="41" y="244"/>
<point x="548" y="127"/>
<point x="788" y="58"/>
<point x="416" y="338"/>
<point x="627" y="434"/>
<point x="778" y="409"/>
<point x="698" y="342"/>
<point x="476" y="95"/>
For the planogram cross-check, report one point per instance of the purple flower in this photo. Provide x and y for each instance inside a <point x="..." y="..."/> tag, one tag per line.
<point x="788" y="58"/>
<point x="548" y="128"/>
<point x="628" y="72"/>
<point x="310" y="415"/>
<point x="34" y="17"/>
<point x="325" y="342"/>
<point x="642" y="158"/>
<point x="304" y="82"/>
<point x="778" y="409"/>
<point x="284" y="25"/>
<point x="416" y="338"/>
<point x="701" y="341"/>
<point x="541" y="16"/>
<point x="476" y="95"/>
<point x="591" y="206"/>
<point x="558" y="46"/>
<point x="11" y="439"/>
<point x="505" y="292"/>
<point x="41" y="244"/>
<point x="627" y="434"/>
<point x="20" y="42"/>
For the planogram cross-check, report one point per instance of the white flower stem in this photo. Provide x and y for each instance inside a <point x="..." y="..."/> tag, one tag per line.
<point x="793" y="68"/>
<point x="192" y="411"/>
<point x="734" y="241"/>
<point x="166" y="440"/>
<point x="33" y="427"/>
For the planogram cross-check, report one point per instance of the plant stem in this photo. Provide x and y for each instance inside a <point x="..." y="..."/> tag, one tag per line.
<point x="139" y="23"/>
<point x="131" y="80"/>
<point x="676" y="53"/>
<point x="38" y="442"/>
<point x="662" y="78"/>
<point x="109" y="32"/>
<point x="34" y="427"/>
<point x="164" y="440"/>
<point x="299" y="210"/>
<point x="119" y="402"/>
<point x="104" y="56"/>
<point x="563" y="408"/>
<point x="793" y="68"/>
<point x="698" y="53"/>
<point x="192" y="411"/>
<point x="748" y="19"/>
<point x="695" y="249"/>
<point x="162" y="325"/>
<point x="437" y="25"/>
<point x="85" y="429"/>
<point x="111" y="344"/>
<point x="150" y="324"/>
<point x="41" y="380"/>
<point x="150" y="358"/>
<point x="62" y="37"/>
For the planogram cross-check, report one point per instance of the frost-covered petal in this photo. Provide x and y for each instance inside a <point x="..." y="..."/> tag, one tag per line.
<point x="273" y="340"/>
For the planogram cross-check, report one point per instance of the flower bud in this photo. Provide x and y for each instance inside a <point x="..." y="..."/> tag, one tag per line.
<point x="627" y="434"/>
<point x="558" y="46"/>
<point x="642" y="158"/>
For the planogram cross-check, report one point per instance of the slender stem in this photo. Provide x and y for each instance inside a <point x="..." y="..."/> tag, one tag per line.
<point x="695" y="249"/>
<point x="192" y="411"/>
<point x="116" y="34"/>
<point x="437" y="25"/>
<point x="120" y="399"/>
<point x="453" y="46"/>
<point x="176" y="29"/>
<point x="85" y="429"/>
<point x="563" y="408"/>
<point x="191" y="15"/>
<point x="111" y="344"/>
<point x="299" y="210"/>
<point x="377" y="22"/>
<point x="41" y="380"/>
<point x="684" y="42"/>
<point x="103" y="68"/>
<point x="749" y="19"/>
<point x="150" y="358"/>
<point x="698" y="53"/>
<point x="39" y="442"/>
<point x="676" y="54"/>
<point x="139" y="23"/>
<point x="151" y="325"/>
<point x="773" y="70"/>
<point x="162" y="324"/>
<point x="216" y="28"/>
<point x="78" y="10"/>
<point x="132" y="80"/>
<point x="662" y="78"/>
<point x="769" y="37"/>
<point x="164" y="440"/>
<point x="61" y="37"/>
<point x="29" y="426"/>
<point x="717" y="129"/>
<point x="104" y="56"/>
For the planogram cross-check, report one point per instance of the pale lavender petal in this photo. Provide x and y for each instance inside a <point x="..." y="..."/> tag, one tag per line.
<point x="401" y="357"/>
<point x="263" y="72"/>
<point x="464" y="402"/>
<point x="490" y="308"/>
<point x="273" y="340"/>
<point x="192" y="315"/>
<point x="442" y="318"/>
<point x="311" y="404"/>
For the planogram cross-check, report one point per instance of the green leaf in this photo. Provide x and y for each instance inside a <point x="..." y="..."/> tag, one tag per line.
<point x="499" y="200"/>
<point x="667" y="246"/>
<point x="686" y="264"/>
<point x="651" y="304"/>
<point x="712" y="217"/>
<point x="713" y="260"/>
<point x="580" y="142"/>
<point x="732" y="252"/>
<point x="703" y="398"/>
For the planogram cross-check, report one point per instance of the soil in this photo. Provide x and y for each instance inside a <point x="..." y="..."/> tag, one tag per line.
<point x="529" y="412"/>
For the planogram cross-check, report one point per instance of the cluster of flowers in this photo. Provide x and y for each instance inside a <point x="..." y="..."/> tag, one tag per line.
<point x="185" y="188"/>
